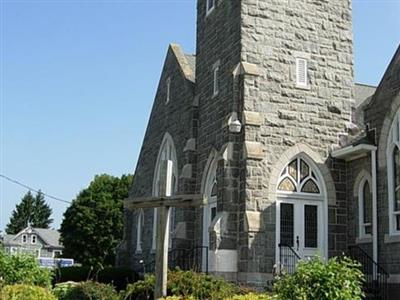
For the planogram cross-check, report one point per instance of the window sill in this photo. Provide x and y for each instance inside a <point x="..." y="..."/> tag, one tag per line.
<point x="364" y="240"/>
<point x="392" y="238"/>
<point x="303" y="87"/>
<point x="214" y="95"/>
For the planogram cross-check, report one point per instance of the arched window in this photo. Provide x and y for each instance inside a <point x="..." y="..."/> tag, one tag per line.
<point x="166" y="156"/>
<point x="298" y="177"/>
<point x="365" y="208"/>
<point x="393" y="163"/>
<point x="139" y="231"/>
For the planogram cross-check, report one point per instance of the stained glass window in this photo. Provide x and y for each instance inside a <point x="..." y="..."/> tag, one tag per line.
<point x="297" y="176"/>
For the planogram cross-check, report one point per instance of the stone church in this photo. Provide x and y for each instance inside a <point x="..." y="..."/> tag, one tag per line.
<point x="267" y="123"/>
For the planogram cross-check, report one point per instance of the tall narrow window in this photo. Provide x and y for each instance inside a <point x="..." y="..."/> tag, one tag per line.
<point x="216" y="79"/>
<point x="33" y="239"/>
<point x="393" y="163"/>
<point x="139" y="231"/>
<point x="24" y="238"/>
<point x="166" y="157"/>
<point x="168" y="89"/>
<point x="365" y="209"/>
<point x="210" y="5"/>
<point x="301" y="72"/>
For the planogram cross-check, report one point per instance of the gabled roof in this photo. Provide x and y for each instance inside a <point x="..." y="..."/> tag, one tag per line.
<point x="363" y="93"/>
<point x="50" y="237"/>
<point x="390" y="82"/>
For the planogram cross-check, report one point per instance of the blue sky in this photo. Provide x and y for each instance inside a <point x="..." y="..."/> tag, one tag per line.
<point x="78" y="79"/>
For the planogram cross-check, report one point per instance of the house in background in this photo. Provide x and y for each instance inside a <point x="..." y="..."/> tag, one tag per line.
<point x="42" y="243"/>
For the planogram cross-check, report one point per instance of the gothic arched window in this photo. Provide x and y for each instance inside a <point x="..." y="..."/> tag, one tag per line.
<point x="298" y="177"/>
<point x="166" y="156"/>
<point x="139" y="231"/>
<point x="365" y="208"/>
<point x="393" y="163"/>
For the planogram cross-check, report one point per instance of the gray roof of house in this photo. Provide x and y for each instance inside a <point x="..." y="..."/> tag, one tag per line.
<point x="50" y="237"/>
<point x="191" y="59"/>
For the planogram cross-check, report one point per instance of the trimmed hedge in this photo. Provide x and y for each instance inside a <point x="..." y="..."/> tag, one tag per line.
<point x="25" y="292"/>
<point x="118" y="277"/>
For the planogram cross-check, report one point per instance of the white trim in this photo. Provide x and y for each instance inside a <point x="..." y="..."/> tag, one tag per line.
<point x="215" y="80"/>
<point x="353" y="152"/>
<point x="392" y="142"/>
<point x="167" y="152"/>
<point x="361" y="222"/>
<point x="374" y="209"/>
<point x="301" y="72"/>
<point x="168" y="87"/>
<point x="314" y="199"/>
<point x="26" y="238"/>
<point x="139" y="230"/>
<point x="34" y="236"/>
<point x="208" y="8"/>
<point x="208" y="180"/>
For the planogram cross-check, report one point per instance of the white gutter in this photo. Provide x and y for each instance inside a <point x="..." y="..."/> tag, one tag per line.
<point x="374" y="210"/>
<point x="352" y="152"/>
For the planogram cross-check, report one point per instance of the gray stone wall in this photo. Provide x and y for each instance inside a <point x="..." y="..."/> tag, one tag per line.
<point x="218" y="40"/>
<point x="176" y="118"/>
<point x="355" y="171"/>
<point x="379" y="116"/>
<point x="273" y="35"/>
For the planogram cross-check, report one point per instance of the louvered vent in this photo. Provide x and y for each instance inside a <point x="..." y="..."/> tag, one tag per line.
<point x="301" y="71"/>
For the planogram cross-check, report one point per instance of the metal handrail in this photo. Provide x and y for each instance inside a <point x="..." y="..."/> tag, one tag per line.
<point x="288" y="259"/>
<point x="183" y="258"/>
<point x="376" y="276"/>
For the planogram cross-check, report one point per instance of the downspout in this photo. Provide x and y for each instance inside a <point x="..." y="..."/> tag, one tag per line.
<point x="374" y="210"/>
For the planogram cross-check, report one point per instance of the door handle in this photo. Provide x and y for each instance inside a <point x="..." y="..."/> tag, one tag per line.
<point x="297" y="243"/>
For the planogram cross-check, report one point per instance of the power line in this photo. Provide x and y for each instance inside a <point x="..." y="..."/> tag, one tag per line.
<point x="33" y="190"/>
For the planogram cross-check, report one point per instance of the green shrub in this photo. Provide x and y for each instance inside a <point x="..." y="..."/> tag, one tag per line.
<point x="88" y="290"/>
<point x="23" y="269"/>
<point x="118" y="277"/>
<point x="185" y="284"/>
<point x="251" y="296"/>
<point x="25" y="292"/>
<point x="62" y="289"/>
<point x="339" y="278"/>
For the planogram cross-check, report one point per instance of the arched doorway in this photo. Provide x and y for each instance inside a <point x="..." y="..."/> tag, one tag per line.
<point x="301" y="209"/>
<point x="210" y="190"/>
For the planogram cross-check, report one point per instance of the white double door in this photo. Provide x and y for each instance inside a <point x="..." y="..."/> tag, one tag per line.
<point x="301" y="226"/>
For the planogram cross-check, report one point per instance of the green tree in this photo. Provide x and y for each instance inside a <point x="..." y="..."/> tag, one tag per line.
<point x="93" y="224"/>
<point x="31" y="210"/>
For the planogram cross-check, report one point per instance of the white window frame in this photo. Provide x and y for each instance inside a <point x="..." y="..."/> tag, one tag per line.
<point x="304" y="72"/>
<point x="33" y="237"/>
<point x="167" y="152"/>
<point x="216" y="76"/>
<point x="392" y="143"/>
<point x="168" y="90"/>
<point x="139" y="230"/>
<point x="209" y="8"/>
<point x="361" y="223"/>
<point x="24" y="239"/>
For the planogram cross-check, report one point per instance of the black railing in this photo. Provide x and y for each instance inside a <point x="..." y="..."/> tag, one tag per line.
<point x="288" y="259"/>
<point x="376" y="277"/>
<point x="184" y="259"/>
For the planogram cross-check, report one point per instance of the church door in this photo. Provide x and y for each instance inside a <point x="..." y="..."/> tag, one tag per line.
<point x="301" y="226"/>
<point x="301" y="210"/>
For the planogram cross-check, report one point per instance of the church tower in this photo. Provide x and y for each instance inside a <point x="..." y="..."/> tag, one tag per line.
<point x="274" y="84"/>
